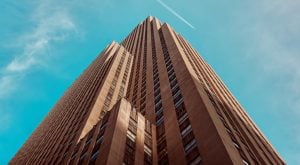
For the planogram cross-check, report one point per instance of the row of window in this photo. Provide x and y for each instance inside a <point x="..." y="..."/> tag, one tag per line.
<point x="160" y="136"/>
<point x="192" y="61"/>
<point x="130" y="50"/>
<point x="77" y="118"/>
<point x="148" y="143"/>
<point x="200" y="65"/>
<point x="65" y="142"/>
<point x="144" y="70"/>
<point x="88" y="141"/>
<point x="188" y="139"/>
<point x="139" y="54"/>
<point x="68" y="140"/>
<point x="135" y="63"/>
<point x="113" y="85"/>
<point x="129" y="154"/>
<point x="230" y="133"/>
<point x="121" y="91"/>
<point x="129" y="41"/>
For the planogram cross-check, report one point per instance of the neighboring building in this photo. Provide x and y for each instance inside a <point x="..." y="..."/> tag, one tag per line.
<point x="150" y="100"/>
<point x="122" y="135"/>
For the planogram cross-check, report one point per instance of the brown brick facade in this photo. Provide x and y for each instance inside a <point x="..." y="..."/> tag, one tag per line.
<point x="150" y="100"/>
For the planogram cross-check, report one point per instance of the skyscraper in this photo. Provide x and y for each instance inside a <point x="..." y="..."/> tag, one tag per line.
<point x="151" y="99"/>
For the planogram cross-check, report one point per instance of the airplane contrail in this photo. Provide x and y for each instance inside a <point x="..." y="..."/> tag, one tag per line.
<point x="175" y="13"/>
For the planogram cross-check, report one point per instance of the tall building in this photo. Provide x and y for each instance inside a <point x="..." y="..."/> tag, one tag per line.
<point x="150" y="100"/>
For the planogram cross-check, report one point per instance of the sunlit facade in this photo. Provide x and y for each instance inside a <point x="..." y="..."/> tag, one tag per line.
<point x="151" y="99"/>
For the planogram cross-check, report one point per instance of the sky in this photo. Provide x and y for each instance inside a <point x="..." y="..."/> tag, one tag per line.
<point x="253" y="46"/>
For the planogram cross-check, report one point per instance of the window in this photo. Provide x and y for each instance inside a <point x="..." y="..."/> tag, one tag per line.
<point x="133" y="115"/>
<point x="99" y="139"/>
<point x="94" y="157"/>
<point x="131" y="135"/>
<point x="167" y="59"/>
<point x="114" y="83"/>
<point x="112" y="88"/>
<point x="132" y="126"/>
<point x="170" y="72"/>
<point x="143" y="92"/>
<point x="178" y="100"/>
<point x="172" y="77"/>
<point x="130" y="143"/>
<point x="156" y="86"/>
<point x="236" y="145"/>
<point x="190" y="145"/>
<point x="160" y="130"/>
<point x="186" y="130"/>
<point x="157" y="111"/>
<point x="169" y="67"/>
<point x="74" y="155"/>
<point x="156" y="80"/>
<point x="187" y="138"/>
<point x="162" y="145"/>
<point x="155" y="76"/>
<point x="159" y="119"/>
<point x="83" y="152"/>
<point x="129" y="156"/>
<point x="158" y="105"/>
<point x="175" y="91"/>
<point x="159" y="115"/>
<point x="168" y="63"/>
<point x="164" y="160"/>
<point x="148" y="140"/>
<point x="156" y="92"/>
<point x="173" y="83"/>
<point x="157" y="99"/>
<point x="245" y="162"/>
<point x="148" y="127"/>
<point x="180" y="111"/>
<point x="184" y="124"/>
<point x="107" y="102"/>
<point x="144" y="83"/>
<point x="129" y="151"/>
<point x="105" y="119"/>
<point x="81" y="159"/>
<point x="147" y="150"/>
<point x="143" y="106"/>
<point x="109" y="95"/>
<point x="88" y="141"/>
<point x="147" y="159"/>
<point x="196" y="161"/>
<point x="97" y="146"/>
<point x="101" y="131"/>
<point x="193" y="157"/>
<point x="143" y="99"/>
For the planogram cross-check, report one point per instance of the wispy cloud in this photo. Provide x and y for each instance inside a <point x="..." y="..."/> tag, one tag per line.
<point x="51" y="26"/>
<point x="278" y="41"/>
<point x="275" y="53"/>
<point x="175" y="14"/>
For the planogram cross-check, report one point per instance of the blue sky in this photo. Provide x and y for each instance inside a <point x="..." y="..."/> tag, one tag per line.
<point x="253" y="45"/>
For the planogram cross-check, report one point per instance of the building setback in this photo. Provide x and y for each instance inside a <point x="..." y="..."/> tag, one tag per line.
<point x="152" y="99"/>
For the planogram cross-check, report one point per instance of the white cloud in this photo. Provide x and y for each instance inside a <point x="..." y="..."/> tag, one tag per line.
<point x="279" y="43"/>
<point x="274" y="50"/>
<point x="53" y="24"/>
<point x="7" y="84"/>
